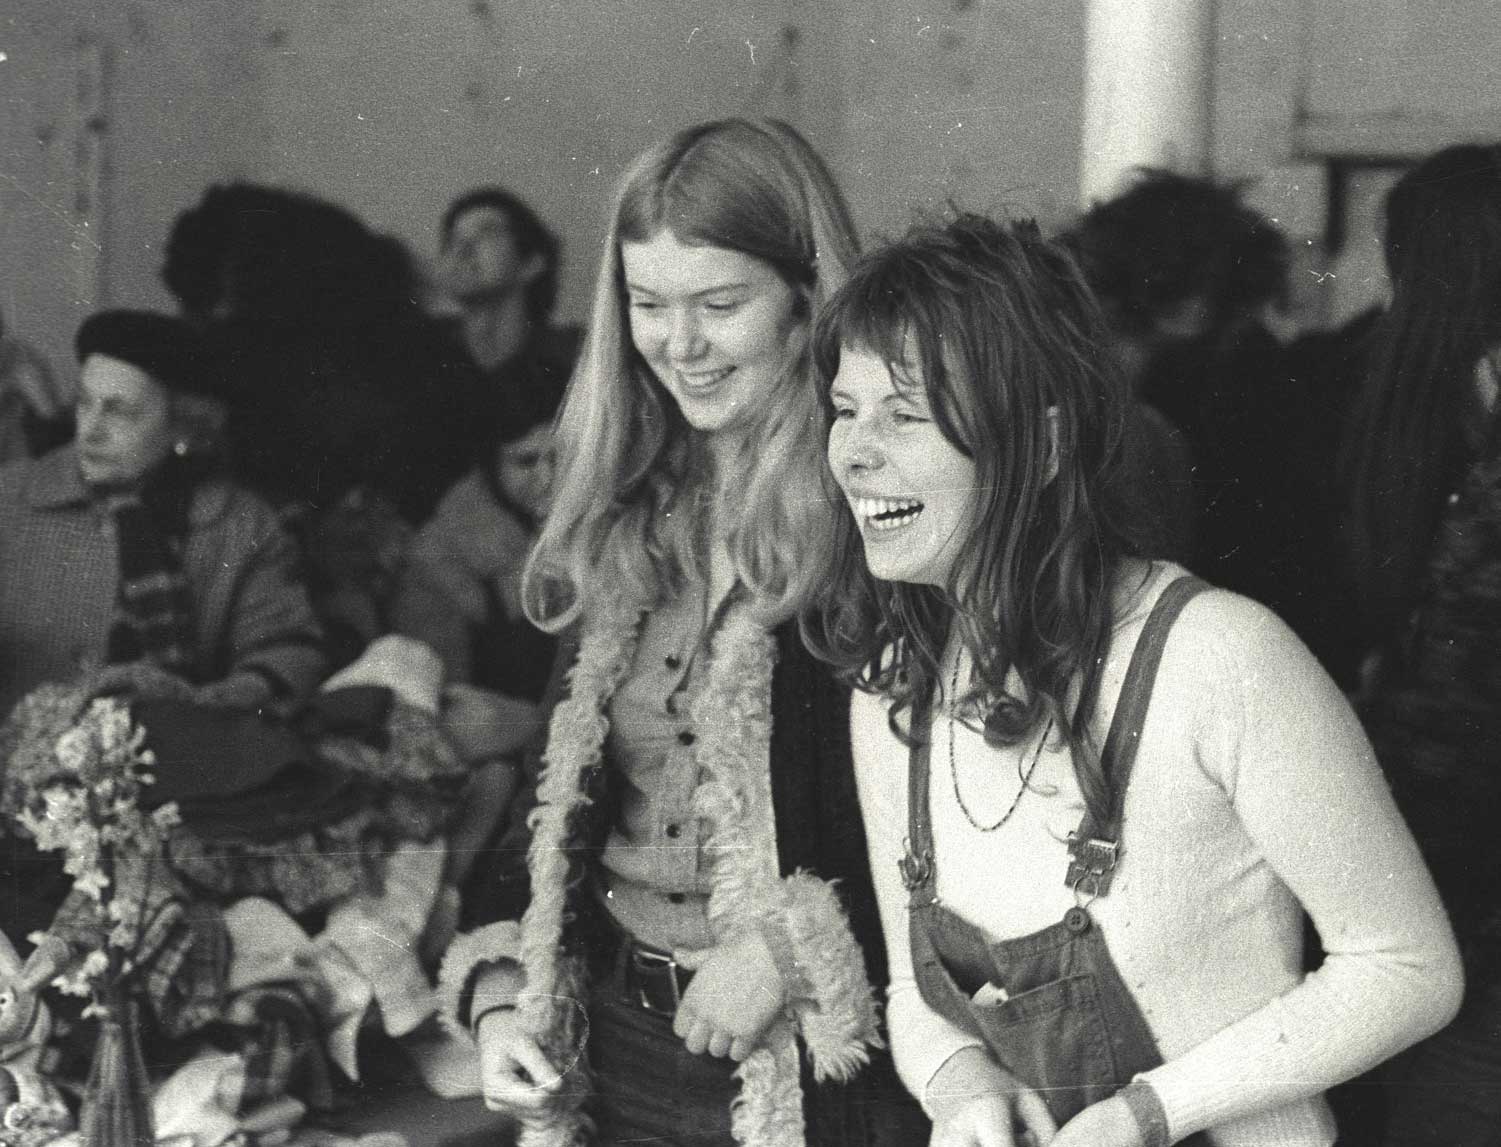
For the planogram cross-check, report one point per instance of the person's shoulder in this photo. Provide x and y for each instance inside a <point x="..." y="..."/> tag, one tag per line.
<point x="470" y="505"/>
<point x="220" y="499"/>
<point x="1225" y="639"/>
<point x="469" y="496"/>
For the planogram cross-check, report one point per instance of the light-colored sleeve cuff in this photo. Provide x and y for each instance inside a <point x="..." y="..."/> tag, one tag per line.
<point x="1146" y="1108"/>
<point x="480" y="970"/>
<point x="837" y="1017"/>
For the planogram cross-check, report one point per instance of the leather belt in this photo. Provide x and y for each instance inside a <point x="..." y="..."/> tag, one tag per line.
<point x="653" y="979"/>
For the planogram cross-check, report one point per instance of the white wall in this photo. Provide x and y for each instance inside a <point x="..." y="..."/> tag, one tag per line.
<point x="394" y="106"/>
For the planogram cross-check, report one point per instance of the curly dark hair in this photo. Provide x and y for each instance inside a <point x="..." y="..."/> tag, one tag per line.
<point x="1171" y="237"/>
<point x="283" y="257"/>
<point x="1009" y="344"/>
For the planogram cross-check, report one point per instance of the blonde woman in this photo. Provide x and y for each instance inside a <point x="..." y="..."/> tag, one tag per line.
<point x="696" y="894"/>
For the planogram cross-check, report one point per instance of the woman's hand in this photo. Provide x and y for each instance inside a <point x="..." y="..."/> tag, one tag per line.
<point x="1108" y="1123"/>
<point x="1019" y="1119"/>
<point x="977" y="1103"/>
<point x="735" y="995"/>
<point x="514" y="1074"/>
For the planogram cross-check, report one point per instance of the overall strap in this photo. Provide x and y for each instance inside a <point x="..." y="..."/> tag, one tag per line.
<point x="1094" y="848"/>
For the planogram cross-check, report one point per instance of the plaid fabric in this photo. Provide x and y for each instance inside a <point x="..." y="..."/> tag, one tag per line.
<point x="182" y="954"/>
<point x="186" y="954"/>
<point x="274" y="1029"/>
<point x="154" y="607"/>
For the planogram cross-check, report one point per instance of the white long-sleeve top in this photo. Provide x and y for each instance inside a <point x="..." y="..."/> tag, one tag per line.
<point x="1254" y="792"/>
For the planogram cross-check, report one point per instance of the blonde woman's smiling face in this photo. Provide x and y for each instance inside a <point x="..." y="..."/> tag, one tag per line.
<point x="717" y="327"/>
<point x="912" y="491"/>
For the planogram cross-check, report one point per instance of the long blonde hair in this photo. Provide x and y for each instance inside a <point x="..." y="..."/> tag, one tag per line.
<point x="631" y="506"/>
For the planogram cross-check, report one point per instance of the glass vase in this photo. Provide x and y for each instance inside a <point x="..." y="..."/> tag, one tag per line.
<point x="116" y="1109"/>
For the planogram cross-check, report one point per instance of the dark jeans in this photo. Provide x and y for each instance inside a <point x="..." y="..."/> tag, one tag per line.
<point x="648" y="1088"/>
<point x="1447" y="1089"/>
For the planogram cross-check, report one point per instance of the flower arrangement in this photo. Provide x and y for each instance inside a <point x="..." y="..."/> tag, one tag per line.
<point x="85" y="802"/>
<point x="74" y="781"/>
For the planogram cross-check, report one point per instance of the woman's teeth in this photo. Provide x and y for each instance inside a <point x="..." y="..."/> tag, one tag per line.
<point x="704" y="379"/>
<point x="887" y="513"/>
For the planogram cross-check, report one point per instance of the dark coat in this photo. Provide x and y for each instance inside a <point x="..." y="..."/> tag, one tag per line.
<point x="59" y="578"/>
<point x="1434" y="715"/>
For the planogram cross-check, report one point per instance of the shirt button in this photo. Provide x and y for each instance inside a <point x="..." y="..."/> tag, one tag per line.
<point x="677" y="897"/>
<point x="686" y="738"/>
<point x="674" y="662"/>
<point x="674" y="830"/>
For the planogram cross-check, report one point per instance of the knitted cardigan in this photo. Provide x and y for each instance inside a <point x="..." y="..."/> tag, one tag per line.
<point x="783" y="829"/>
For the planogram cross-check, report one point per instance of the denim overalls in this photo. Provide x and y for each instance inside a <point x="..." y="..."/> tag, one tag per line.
<point x="1057" y="1015"/>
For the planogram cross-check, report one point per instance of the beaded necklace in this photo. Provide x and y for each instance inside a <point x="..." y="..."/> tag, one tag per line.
<point x="1026" y="776"/>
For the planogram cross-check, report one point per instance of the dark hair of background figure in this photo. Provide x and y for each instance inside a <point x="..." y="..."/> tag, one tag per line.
<point x="284" y="257"/>
<point x="532" y="237"/>
<point x="1001" y="327"/>
<point x="1419" y="422"/>
<point x="1171" y="237"/>
<point x="341" y="379"/>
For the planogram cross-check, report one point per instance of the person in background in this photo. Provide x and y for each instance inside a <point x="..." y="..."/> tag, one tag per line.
<point x="684" y="955"/>
<point x="341" y="382"/>
<point x="460" y="593"/>
<point x="460" y="589"/>
<point x="1187" y="272"/>
<point x="500" y="264"/>
<point x="1425" y="528"/>
<point x="1099" y="794"/>
<point x="129" y="545"/>
<point x="35" y="410"/>
<point x="353" y="410"/>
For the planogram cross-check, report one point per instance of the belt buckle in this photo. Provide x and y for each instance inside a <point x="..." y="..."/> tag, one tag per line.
<point x="648" y="962"/>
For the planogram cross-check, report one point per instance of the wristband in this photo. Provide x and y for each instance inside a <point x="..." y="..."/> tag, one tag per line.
<point x="1146" y="1108"/>
<point x="474" y="1020"/>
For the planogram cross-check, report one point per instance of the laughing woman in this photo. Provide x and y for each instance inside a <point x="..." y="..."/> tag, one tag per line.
<point x="1098" y="793"/>
<point x="696" y="805"/>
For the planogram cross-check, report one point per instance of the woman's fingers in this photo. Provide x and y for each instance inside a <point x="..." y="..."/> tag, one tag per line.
<point x="544" y="1077"/>
<point x="514" y="1073"/>
<point x="994" y="1121"/>
<point x="740" y="1049"/>
<point x="719" y="1044"/>
<point x="694" y="1032"/>
<point x="507" y="1090"/>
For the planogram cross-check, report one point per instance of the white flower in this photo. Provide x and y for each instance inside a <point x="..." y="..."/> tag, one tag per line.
<point x="95" y="964"/>
<point x="72" y="749"/>
<point x="91" y="882"/>
<point x="74" y="983"/>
